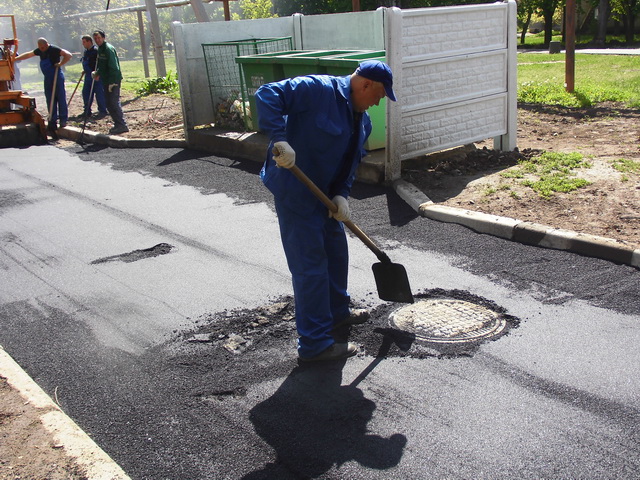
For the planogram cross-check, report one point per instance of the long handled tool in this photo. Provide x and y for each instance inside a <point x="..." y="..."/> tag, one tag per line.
<point x="84" y="123"/>
<point x="75" y="89"/>
<point x="52" y="103"/>
<point x="391" y="278"/>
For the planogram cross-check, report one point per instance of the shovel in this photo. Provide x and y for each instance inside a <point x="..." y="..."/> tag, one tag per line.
<point x="84" y="124"/>
<point x="391" y="278"/>
<point x="50" y="129"/>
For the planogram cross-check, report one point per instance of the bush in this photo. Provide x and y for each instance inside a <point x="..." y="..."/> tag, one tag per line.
<point x="162" y="85"/>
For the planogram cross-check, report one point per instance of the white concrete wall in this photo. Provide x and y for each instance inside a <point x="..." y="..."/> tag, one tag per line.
<point x="454" y="69"/>
<point x="345" y="31"/>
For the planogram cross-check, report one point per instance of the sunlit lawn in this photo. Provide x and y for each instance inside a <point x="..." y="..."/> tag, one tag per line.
<point x="132" y="71"/>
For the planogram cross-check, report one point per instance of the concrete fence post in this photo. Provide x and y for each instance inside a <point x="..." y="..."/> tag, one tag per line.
<point x="393" y="47"/>
<point x="509" y="141"/>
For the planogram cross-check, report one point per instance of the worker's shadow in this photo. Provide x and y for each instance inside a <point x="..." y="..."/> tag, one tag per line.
<point x="313" y="422"/>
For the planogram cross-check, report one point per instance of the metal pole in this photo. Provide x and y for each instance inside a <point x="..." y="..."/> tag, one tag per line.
<point x="570" y="46"/>
<point x="158" y="54"/>
<point x="143" y="45"/>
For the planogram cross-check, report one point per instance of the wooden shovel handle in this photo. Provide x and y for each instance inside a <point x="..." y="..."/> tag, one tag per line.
<point x="53" y="93"/>
<point x="300" y="175"/>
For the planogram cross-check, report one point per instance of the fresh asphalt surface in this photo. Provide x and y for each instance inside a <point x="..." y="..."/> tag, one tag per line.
<point x="558" y="397"/>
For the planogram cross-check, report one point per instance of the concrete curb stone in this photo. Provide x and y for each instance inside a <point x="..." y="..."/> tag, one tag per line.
<point x="115" y="141"/>
<point x="528" y="233"/>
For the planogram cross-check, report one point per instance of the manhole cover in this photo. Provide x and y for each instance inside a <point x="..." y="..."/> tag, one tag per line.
<point x="448" y="321"/>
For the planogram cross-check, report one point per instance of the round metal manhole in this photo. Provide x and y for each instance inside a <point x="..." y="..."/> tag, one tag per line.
<point x="444" y="320"/>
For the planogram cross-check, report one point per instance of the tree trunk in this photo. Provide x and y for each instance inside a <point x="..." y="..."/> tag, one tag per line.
<point x="604" y="10"/>
<point x="629" y="27"/>
<point x="548" y="27"/>
<point x="525" y="27"/>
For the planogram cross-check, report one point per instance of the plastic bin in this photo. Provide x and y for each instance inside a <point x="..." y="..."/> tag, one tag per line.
<point x="275" y="66"/>
<point x="345" y="64"/>
<point x="306" y="63"/>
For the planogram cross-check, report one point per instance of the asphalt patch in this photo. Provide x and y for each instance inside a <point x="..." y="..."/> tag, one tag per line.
<point x="11" y="198"/>
<point x="266" y="338"/>
<point x="135" y="255"/>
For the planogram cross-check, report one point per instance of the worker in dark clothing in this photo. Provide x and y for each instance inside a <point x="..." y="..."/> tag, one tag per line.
<point x="91" y="86"/>
<point x="108" y="70"/>
<point x="51" y="59"/>
<point x="320" y="124"/>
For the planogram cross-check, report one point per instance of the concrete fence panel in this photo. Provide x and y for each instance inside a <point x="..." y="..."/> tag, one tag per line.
<point x="345" y="31"/>
<point x="455" y="74"/>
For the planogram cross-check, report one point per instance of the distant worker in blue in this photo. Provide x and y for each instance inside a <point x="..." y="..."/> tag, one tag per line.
<point x="51" y="58"/>
<point x="320" y="124"/>
<point x="92" y="87"/>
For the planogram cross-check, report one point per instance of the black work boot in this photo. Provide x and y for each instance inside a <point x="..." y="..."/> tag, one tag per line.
<point x="337" y="351"/>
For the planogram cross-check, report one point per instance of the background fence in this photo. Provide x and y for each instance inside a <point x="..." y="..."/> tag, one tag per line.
<point x="226" y="82"/>
<point x="454" y="69"/>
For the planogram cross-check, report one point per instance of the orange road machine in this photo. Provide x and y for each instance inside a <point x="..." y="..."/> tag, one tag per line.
<point x="20" y="122"/>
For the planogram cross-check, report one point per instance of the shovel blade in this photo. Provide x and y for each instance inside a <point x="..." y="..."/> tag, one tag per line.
<point x="392" y="282"/>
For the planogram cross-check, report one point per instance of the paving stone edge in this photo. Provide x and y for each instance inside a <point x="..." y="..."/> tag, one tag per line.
<point x="520" y="231"/>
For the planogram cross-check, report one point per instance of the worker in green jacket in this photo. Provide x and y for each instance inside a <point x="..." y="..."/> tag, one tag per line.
<point x="108" y="70"/>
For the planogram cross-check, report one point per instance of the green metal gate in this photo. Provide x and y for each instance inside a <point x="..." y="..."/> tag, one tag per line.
<point x="229" y="97"/>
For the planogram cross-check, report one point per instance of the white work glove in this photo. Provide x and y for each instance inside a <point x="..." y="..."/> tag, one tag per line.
<point x="94" y="75"/>
<point x="111" y="87"/>
<point x="283" y="155"/>
<point x="343" y="214"/>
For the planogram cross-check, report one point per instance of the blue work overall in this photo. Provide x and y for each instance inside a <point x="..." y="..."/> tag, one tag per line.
<point x="314" y="115"/>
<point x="60" y="101"/>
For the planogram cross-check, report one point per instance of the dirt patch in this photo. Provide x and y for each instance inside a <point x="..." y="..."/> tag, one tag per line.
<point x="26" y="448"/>
<point x="150" y="116"/>
<point x="472" y="178"/>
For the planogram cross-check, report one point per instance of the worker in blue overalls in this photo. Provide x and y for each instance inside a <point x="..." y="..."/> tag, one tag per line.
<point x="91" y="87"/>
<point x="51" y="59"/>
<point x="320" y="124"/>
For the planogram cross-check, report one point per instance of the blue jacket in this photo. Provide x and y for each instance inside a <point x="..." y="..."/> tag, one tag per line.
<point x="90" y="59"/>
<point x="314" y="114"/>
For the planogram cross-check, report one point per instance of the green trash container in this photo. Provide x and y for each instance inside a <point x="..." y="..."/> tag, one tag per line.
<point x="306" y="63"/>
<point x="345" y="65"/>
<point x="275" y="66"/>
<point x="271" y="67"/>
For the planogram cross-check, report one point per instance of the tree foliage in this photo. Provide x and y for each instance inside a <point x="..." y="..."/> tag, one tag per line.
<point x="627" y="11"/>
<point x="252" y="9"/>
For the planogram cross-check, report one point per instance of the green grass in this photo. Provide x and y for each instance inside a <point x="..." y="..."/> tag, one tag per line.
<point x="132" y="72"/>
<point x="550" y="172"/>
<point x="536" y="40"/>
<point x="626" y="166"/>
<point x="598" y="78"/>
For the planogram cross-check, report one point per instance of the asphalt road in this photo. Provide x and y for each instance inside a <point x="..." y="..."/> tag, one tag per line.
<point x="109" y="327"/>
